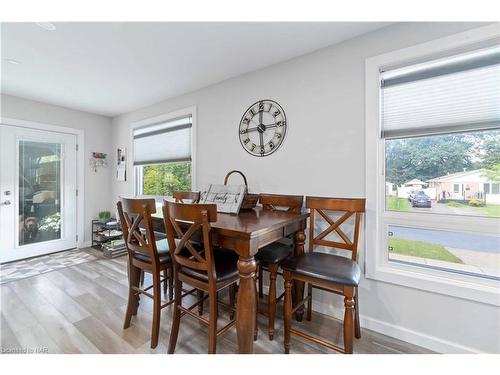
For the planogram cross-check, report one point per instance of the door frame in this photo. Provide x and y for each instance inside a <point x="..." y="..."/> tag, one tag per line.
<point x="80" y="162"/>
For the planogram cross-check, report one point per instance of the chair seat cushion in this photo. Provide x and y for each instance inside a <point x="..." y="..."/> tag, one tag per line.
<point x="225" y="266"/>
<point x="163" y="253"/>
<point x="333" y="268"/>
<point x="274" y="253"/>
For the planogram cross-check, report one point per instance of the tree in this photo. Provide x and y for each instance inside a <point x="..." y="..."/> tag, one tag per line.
<point x="493" y="174"/>
<point x="427" y="157"/>
<point x="164" y="179"/>
<point x="491" y="150"/>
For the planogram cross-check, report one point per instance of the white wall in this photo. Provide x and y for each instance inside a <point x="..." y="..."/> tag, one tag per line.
<point x="97" y="133"/>
<point x="323" y="96"/>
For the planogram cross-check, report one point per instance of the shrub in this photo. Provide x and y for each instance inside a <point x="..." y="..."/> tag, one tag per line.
<point x="476" y="203"/>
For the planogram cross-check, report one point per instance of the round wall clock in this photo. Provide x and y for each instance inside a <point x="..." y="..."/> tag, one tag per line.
<point x="262" y="128"/>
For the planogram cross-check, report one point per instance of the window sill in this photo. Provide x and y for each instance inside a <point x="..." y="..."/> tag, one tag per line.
<point x="441" y="282"/>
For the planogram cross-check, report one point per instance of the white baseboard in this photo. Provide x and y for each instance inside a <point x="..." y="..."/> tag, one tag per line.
<point x="398" y="332"/>
<point x="85" y="244"/>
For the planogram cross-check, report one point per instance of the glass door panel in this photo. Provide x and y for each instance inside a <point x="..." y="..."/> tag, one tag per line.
<point x="39" y="192"/>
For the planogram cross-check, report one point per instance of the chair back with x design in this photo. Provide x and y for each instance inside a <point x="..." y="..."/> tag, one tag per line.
<point x="278" y="202"/>
<point x="181" y="196"/>
<point x="190" y="225"/>
<point x="347" y="207"/>
<point x="133" y="212"/>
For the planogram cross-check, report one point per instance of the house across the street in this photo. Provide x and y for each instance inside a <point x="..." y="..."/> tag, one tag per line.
<point x="466" y="185"/>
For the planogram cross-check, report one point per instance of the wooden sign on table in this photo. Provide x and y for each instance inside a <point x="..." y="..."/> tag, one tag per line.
<point x="228" y="198"/>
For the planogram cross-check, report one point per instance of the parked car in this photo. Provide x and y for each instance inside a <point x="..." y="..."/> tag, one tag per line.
<point x="412" y="194"/>
<point x="420" y="199"/>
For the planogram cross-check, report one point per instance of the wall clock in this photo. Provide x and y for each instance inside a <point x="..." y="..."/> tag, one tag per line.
<point x="262" y="128"/>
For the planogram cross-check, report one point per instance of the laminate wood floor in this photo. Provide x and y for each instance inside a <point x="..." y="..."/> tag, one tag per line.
<point x="80" y="309"/>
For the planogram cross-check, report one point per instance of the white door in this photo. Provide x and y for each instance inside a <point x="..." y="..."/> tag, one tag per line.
<point x="37" y="192"/>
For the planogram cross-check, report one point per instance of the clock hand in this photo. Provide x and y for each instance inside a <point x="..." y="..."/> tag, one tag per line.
<point x="261" y="111"/>
<point x="261" y="143"/>
<point x="270" y="126"/>
<point x="251" y="130"/>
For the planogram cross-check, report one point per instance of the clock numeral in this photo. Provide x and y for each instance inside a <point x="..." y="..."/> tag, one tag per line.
<point x="245" y="141"/>
<point x="245" y="120"/>
<point x="271" y="145"/>
<point x="252" y="112"/>
<point x="262" y="149"/>
<point x="244" y="131"/>
<point x="276" y="113"/>
<point x="277" y="135"/>
<point x="261" y="106"/>
<point x="252" y="147"/>
<point x="280" y="123"/>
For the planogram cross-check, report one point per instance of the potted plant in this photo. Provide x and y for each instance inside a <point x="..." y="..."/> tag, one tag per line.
<point x="104" y="216"/>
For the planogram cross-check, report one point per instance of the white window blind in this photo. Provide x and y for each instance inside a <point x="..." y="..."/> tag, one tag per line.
<point x="165" y="142"/>
<point x="458" y="93"/>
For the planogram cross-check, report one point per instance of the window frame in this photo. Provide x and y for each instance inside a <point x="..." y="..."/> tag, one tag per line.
<point x="137" y="175"/>
<point x="378" y="219"/>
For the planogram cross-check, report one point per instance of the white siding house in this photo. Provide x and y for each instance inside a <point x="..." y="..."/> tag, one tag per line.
<point x="467" y="185"/>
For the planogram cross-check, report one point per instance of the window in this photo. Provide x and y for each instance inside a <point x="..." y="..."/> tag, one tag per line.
<point x="435" y="125"/>
<point x="495" y="188"/>
<point x="162" y="157"/>
<point x="486" y="188"/>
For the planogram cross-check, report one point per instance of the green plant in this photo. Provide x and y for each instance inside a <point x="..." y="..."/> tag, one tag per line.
<point x="104" y="215"/>
<point x="51" y="223"/>
<point x="476" y="203"/>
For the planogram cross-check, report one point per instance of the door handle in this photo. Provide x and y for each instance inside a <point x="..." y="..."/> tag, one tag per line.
<point x="6" y="203"/>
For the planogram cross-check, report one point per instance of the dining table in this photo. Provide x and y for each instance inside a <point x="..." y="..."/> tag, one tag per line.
<point x="245" y="233"/>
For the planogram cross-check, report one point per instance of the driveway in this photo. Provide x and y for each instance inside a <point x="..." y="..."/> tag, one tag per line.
<point x="442" y="208"/>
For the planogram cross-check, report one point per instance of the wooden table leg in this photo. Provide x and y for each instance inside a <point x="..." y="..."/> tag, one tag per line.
<point x="298" y="286"/>
<point x="247" y="305"/>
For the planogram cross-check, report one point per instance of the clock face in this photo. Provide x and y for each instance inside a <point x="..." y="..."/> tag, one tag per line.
<point x="263" y="128"/>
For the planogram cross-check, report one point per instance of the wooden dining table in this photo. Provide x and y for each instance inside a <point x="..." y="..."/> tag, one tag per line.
<point x="245" y="234"/>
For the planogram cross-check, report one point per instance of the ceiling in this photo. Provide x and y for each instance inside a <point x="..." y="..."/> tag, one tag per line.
<point x="111" y="68"/>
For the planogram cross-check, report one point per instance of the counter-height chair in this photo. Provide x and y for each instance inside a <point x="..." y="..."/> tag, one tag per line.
<point x="270" y="256"/>
<point x="190" y="197"/>
<point x="326" y="271"/>
<point x="198" y="264"/>
<point x="145" y="254"/>
<point x="186" y="196"/>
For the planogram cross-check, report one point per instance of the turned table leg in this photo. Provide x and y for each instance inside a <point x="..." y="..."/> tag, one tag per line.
<point x="246" y="305"/>
<point x="298" y="286"/>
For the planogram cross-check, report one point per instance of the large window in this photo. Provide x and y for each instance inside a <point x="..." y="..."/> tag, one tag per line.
<point x="439" y="126"/>
<point x="434" y="208"/>
<point x="162" y="157"/>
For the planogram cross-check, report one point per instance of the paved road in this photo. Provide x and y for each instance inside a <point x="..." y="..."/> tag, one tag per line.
<point x="484" y="243"/>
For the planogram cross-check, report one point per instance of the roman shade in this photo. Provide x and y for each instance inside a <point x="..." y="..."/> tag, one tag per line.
<point x="165" y="142"/>
<point x="451" y="94"/>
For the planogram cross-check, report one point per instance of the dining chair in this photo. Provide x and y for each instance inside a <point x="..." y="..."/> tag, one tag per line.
<point x="270" y="256"/>
<point x="193" y="197"/>
<point x="182" y="196"/>
<point x="145" y="254"/>
<point x="198" y="264"/>
<point x="326" y="271"/>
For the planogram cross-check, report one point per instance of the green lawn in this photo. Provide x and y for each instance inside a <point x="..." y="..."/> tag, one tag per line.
<point x="422" y="250"/>
<point x="455" y="204"/>
<point x="397" y="204"/>
<point x="492" y="210"/>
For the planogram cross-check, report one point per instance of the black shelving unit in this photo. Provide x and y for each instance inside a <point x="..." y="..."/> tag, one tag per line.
<point x="101" y="234"/>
